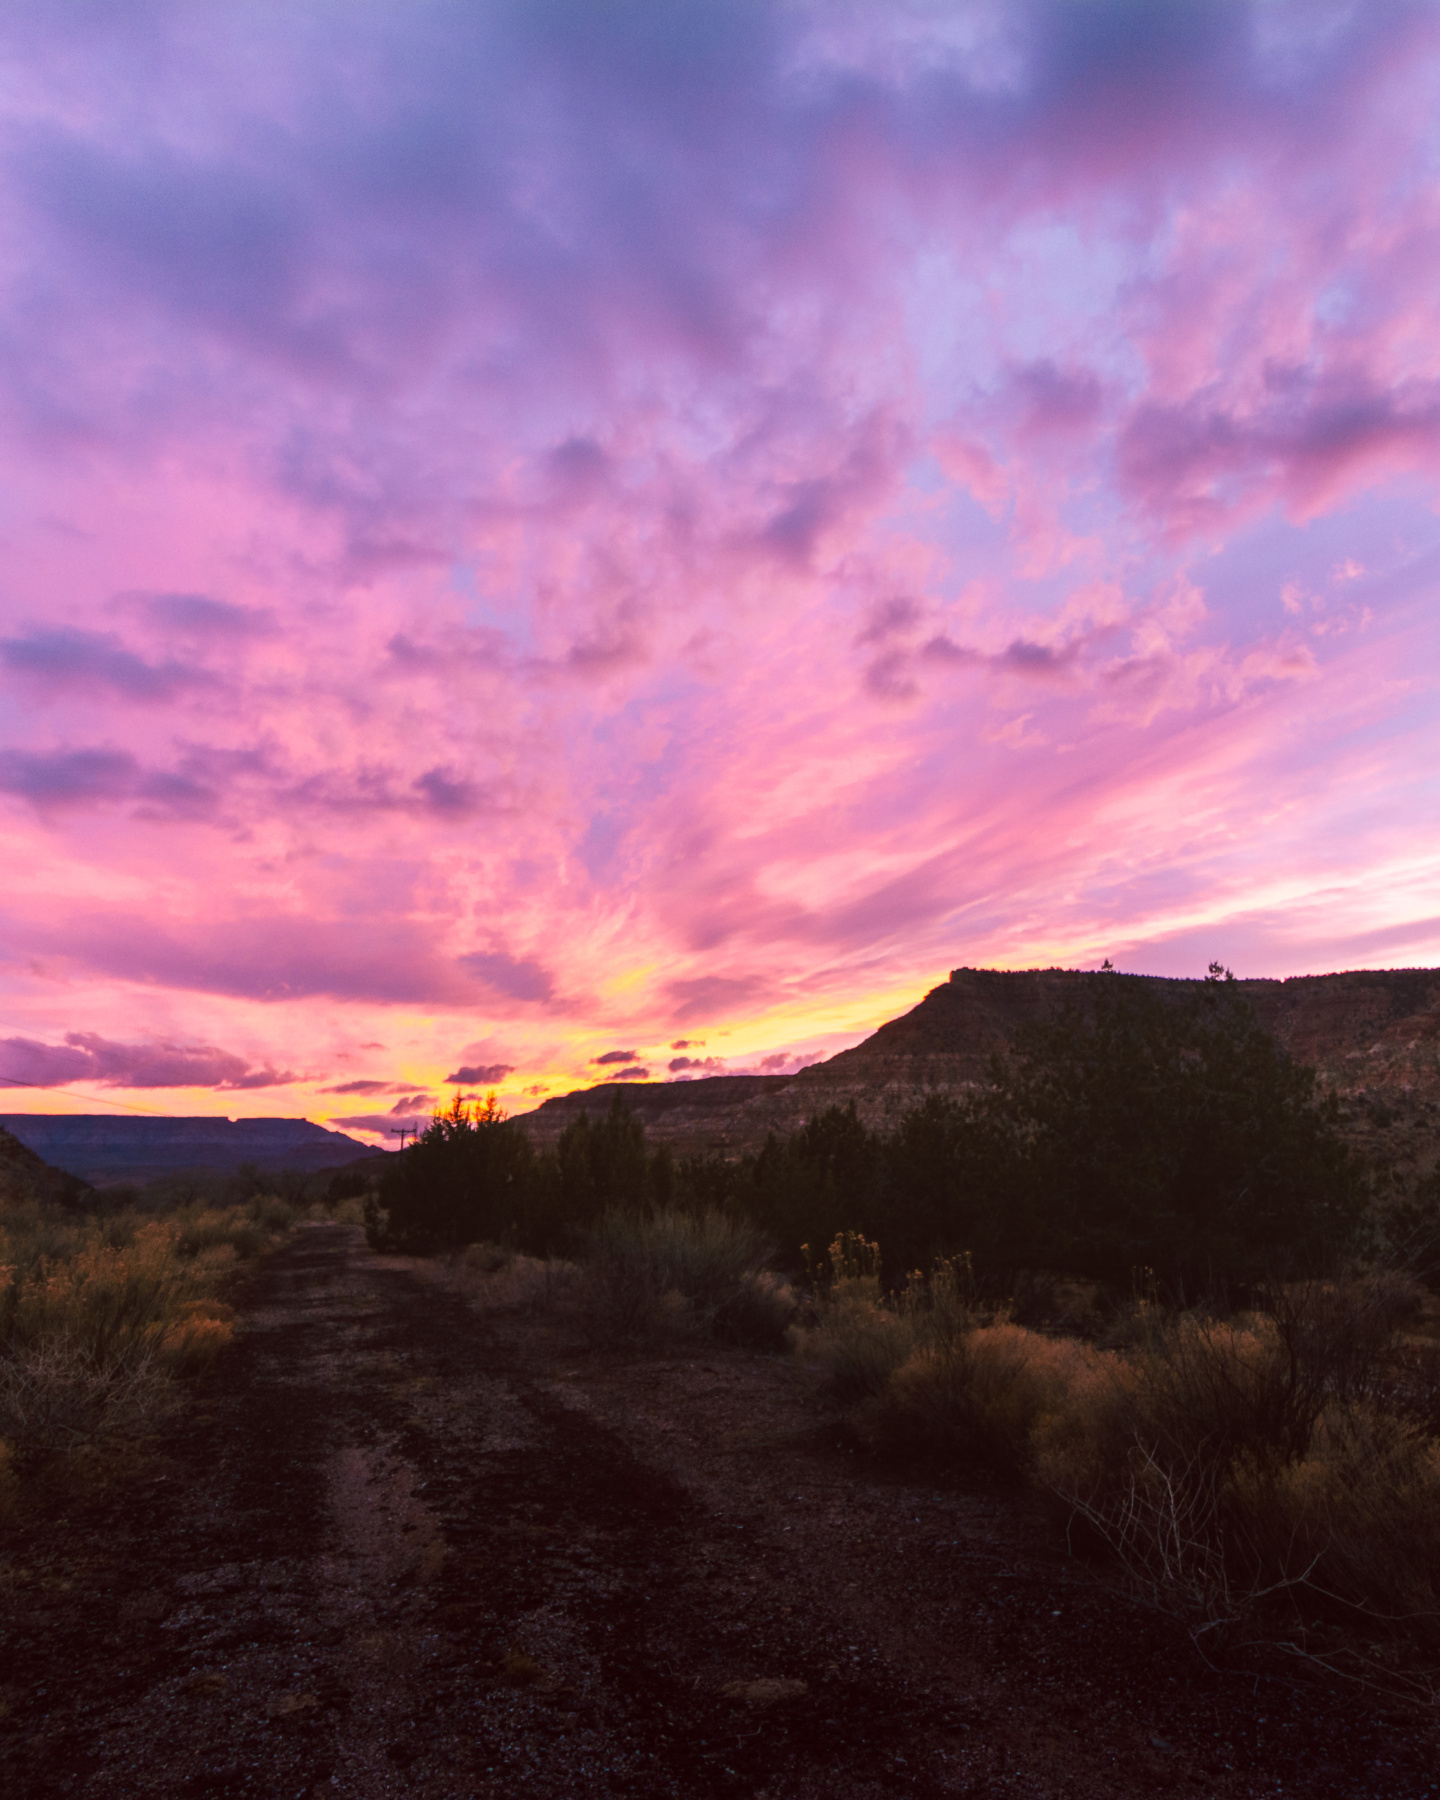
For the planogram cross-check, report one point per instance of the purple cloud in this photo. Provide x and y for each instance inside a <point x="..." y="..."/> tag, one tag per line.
<point x="70" y="777"/>
<point x="1055" y="402"/>
<point x="65" y="657"/>
<point x="1024" y="658"/>
<point x="447" y="792"/>
<point x="200" y="616"/>
<point x="887" y="617"/>
<point x="197" y="786"/>
<point x="85" y="1056"/>
<point x="693" y="997"/>
<point x="207" y="780"/>
<point x="1304" y="431"/>
<point x="480" y="1074"/>
<point x="266" y="957"/>
<point x="615" y="1056"/>
<point x="941" y="649"/>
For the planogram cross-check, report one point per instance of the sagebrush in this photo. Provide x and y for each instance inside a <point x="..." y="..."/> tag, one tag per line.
<point x="651" y="1276"/>
<point x="100" y="1315"/>
<point x="1278" y="1463"/>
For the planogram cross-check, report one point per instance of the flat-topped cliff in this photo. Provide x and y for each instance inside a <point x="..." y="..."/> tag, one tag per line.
<point x="1373" y="1035"/>
<point x="105" y="1149"/>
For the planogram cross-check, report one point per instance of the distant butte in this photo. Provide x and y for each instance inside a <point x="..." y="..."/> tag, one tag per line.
<point x="1373" y="1035"/>
<point x="101" y="1149"/>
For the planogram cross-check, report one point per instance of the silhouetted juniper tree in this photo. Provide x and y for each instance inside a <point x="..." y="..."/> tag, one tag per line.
<point x="468" y="1177"/>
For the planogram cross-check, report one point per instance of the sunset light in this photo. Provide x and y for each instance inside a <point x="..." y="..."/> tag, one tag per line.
<point x="534" y="531"/>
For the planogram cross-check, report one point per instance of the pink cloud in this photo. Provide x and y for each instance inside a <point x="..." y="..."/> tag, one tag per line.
<point x="808" y="505"/>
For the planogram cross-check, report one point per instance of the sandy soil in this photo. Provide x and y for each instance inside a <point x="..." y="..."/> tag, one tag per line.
<point x="411" y="1542"/>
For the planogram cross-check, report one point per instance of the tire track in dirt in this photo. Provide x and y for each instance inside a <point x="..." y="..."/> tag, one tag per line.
<point x="383" y="1564"/>
<point x="399" y="1549"/>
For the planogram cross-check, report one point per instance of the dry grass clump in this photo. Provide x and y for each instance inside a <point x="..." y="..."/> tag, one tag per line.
<point x="1278" y="1464"/>
<point x="486" y="1258"/>
<point x="978" y="1400"/>
<point x="59" y="1394"/>
<point x="650" y="1277"/>
<point x="1267" y="1462"/>
<point x="861" y="1337"/>
<point x="349" y="1210"/>
<point x="98" y="1316"/>
<point x="495" y="1278"/>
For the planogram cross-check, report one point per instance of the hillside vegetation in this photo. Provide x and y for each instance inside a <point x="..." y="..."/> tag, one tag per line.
<point x="1140" y="1269"/>
<point x="1272" y="1470"/>
<point x="1372" y="1036"/>
<point x="1131" y="1132"/>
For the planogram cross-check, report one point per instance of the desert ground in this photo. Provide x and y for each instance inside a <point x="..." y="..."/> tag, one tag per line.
<point x="411" y="1539"/>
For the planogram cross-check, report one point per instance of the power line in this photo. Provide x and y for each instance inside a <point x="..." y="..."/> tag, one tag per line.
<point x="99" y="1099"/>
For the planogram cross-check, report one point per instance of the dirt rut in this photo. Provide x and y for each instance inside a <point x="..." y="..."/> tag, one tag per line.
<point x="406" y="1545"/>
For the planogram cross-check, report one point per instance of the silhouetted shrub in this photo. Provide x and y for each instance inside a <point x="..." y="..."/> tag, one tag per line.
<point x="861" y="1335"/>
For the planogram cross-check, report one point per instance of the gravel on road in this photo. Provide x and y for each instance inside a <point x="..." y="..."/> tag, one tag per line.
<point x="410" y="1540"/>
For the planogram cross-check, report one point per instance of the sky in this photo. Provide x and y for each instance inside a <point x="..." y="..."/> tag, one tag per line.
<point x="542" y="541"/>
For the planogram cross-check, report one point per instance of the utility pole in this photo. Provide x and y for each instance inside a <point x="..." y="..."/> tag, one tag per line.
<point x="404" y="1131"/>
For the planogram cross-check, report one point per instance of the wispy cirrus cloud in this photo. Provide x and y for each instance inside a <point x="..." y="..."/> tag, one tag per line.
<point x="578" y="530"/>
<point x="512" y="977"/>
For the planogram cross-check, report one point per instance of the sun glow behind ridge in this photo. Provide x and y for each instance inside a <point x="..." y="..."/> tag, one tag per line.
<point x="553" y="531"/>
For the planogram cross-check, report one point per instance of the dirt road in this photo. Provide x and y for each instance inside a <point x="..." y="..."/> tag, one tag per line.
<point x="408" y="1544"/>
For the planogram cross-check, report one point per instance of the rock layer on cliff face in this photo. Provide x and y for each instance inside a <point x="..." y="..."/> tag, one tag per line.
<point x="711" y="1113"/>
<point x="1373" y="1035"/>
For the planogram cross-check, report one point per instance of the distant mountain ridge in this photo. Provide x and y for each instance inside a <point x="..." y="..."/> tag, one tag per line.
<point x="1373" y="1035"/>
<point x="101" y="1149"/>
<point x="25" y="1176"/>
